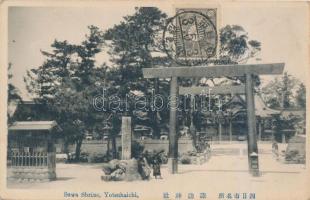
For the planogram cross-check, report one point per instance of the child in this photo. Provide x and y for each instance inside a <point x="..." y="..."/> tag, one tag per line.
<point x="156" y="169"/>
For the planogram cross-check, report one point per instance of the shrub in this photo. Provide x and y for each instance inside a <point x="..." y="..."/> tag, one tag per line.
<point x="159" y="155"/>
<point x="96" y="158"/>
<point x="136" y="149"/>
<point x="61" y="158"/>
<point x="185" y="159"/>
<point x="164" y="158"/>
<point x="72" y="158"/>
<point x="83" y="157"/>
<point x="294" y="156"/>
<point x="192" y="153"/>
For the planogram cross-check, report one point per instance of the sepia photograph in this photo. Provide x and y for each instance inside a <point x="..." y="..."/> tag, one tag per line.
<point x="163" y="100"/>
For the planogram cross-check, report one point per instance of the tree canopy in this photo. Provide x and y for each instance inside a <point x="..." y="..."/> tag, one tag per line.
<point x="65" y="83"/>
<point x="13" y="96"/>
<point x="284" y="92"/>
<point x="235" y="44"/>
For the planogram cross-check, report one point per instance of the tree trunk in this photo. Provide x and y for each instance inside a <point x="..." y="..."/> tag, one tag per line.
<point x="108" y="147"/>
<point x="155" y="125"/>
<point x="156" y="130"/>
<point x="114" y="148"/>
<point x="66" y="147"/>
<point x="194" y="139"/>
<point x="78" y="149"/>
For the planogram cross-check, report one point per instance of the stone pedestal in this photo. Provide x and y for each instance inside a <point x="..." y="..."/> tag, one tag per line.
<point x="173" y="165"/>
<point x="283" y="138"/>
<point x="230" y="130"/>
<point x="220" y="132"/>
<point x="40" y="174"/>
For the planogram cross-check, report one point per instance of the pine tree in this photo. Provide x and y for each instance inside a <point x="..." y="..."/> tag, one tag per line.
<point x="301" y="96"/>
<point x="65" y="83"/>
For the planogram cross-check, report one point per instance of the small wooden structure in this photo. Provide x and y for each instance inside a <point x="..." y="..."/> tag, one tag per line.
<point x="31" y="151"/>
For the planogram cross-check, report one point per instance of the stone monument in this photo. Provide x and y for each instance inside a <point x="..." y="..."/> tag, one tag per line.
<point x="126" y="138"/>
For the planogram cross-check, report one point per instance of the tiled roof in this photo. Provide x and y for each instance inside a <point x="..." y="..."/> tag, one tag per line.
<point x="260" y="107"/>
<point x="32" y="125"/>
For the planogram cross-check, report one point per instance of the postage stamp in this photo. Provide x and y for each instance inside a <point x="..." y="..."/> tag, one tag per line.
<point x="190" y="37"/>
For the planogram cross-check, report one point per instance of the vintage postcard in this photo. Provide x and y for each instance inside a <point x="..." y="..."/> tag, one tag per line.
<point x="154" y="100"/>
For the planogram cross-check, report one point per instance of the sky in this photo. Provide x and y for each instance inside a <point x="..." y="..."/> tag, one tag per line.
<point x="281" y="28"/>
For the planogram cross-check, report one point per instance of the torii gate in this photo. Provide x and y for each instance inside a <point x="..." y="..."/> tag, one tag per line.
<point x="246" y="71"/>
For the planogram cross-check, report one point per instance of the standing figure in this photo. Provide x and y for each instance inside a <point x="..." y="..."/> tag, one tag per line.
<point x="275" y="149"/>
<point x="143" y="168"/>
<point x="156" y="169"/>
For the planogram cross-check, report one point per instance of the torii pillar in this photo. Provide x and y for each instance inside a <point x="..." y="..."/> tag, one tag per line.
<point x="173" y="138"/>
<point x="251" y="119"/>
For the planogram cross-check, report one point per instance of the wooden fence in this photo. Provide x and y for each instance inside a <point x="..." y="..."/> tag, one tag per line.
<point x="35" y="159"/>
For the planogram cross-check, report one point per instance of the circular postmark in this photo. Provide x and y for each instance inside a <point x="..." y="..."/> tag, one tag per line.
<point x="190" y="38"/>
